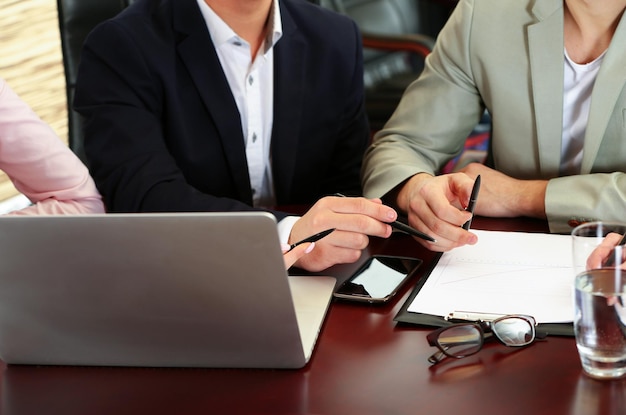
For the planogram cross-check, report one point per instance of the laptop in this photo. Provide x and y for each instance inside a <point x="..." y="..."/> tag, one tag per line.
<point x="156" y="290"/>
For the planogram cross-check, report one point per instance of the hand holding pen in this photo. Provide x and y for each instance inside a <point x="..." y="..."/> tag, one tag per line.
<point x="291" y="255"/>
<point x="439" y="206"/>
<point x="312" y="238"/>
<point x="355" y="220"/>
<point x="470" y="208"/>
<point x="405" y="228"/>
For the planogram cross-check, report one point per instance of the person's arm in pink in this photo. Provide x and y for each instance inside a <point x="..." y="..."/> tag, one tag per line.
<point x="40" y="165"/>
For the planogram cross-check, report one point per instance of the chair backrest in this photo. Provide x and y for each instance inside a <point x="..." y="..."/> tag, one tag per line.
<point x="393" y="16"/>
<point x="76" y="19"/>
<point x="392" y="25"/>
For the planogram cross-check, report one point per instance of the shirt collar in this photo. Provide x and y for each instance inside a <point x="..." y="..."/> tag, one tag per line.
<point x="221" y="33"/>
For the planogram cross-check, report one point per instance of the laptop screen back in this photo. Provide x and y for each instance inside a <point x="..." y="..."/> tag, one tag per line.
<point x="190" y="289"/>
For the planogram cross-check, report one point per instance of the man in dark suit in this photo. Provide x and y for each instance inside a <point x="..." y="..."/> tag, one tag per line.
<point x="221" y="105"/>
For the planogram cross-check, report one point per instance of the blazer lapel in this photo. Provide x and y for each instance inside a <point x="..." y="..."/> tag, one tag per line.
<point x="606" y="91"/>
<point x="546" y="65"/>
<point x="289" y="78"/>
<point x="197" y="52"/>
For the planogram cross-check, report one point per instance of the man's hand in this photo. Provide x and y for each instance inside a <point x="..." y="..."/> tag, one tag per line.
<point x="354" y="219"/>
<point x="434" y="205"/>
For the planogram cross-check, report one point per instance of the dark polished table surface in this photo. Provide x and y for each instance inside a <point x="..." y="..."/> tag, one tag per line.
<point x="364" y="363"/>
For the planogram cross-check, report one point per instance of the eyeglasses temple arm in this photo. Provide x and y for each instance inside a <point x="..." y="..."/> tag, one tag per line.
<point x="437" y="357"/>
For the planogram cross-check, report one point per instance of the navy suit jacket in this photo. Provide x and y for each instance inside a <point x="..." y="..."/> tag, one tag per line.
<point x="162" y="130"/>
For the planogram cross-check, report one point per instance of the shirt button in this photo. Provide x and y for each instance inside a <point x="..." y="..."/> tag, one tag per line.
<point x="574" y="222"/>
<point x="254" y="137"/>
<point x="250" y="80"/>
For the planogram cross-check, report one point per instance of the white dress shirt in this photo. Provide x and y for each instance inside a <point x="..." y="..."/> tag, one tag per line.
<point x="252" y="84"/>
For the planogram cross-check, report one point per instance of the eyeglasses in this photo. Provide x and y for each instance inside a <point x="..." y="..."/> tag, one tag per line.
<point x="465" y="339"/>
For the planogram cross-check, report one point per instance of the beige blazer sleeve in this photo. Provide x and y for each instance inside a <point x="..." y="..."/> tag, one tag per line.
<point x="507" y="56"/>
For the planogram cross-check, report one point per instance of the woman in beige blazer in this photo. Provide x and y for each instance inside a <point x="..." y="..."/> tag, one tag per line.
<point x="519" y="59"/>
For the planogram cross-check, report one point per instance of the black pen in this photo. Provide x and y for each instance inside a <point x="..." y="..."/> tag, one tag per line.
<point x="405" y="228"/>
<point x="610" y="261"/>
<point x="312" y="238"/>
<point x="411" y="231"/>
<point x="472" y="202"/>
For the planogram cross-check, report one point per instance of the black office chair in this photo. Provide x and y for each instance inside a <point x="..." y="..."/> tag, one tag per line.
<point x="76" y="19"/>
<point x="397" y="36"/>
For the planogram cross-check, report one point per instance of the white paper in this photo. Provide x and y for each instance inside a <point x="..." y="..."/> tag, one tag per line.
<point x="504" y="273"/>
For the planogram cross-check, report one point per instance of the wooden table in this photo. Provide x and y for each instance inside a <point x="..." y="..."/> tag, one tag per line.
<point x="364" y="363"/>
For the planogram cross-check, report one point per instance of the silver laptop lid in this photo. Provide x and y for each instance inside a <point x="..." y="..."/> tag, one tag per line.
<point x="184" y="289"/>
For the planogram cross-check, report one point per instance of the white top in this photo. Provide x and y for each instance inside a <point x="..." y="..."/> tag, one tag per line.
<point x="578" y="84"/>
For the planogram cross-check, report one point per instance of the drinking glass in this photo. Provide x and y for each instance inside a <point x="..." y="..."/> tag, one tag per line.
<point x="600" y="322"/>
<point x="600" y="295"/>
<point x="587" y="237"/>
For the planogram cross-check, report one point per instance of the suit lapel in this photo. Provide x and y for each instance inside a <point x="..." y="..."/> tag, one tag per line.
<point x="197" y="52"/>
<point x="289" y="79"/>
<point x="606" y="91"/>
<point x="546" y="66"/>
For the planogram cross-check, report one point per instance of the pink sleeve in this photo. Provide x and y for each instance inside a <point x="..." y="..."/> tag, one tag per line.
<point x="40" y="165"/>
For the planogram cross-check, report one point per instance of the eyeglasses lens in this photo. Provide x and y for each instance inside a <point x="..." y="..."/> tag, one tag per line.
<point x="514" y="331"/>
<point x="460" y="341"/>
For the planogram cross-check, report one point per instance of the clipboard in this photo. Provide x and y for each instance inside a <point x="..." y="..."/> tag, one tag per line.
<point x="429" y="320"/>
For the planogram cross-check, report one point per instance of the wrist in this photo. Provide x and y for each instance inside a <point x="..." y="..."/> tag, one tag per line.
<point x="532" y="198"/>
<point x="407" y="189"/>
